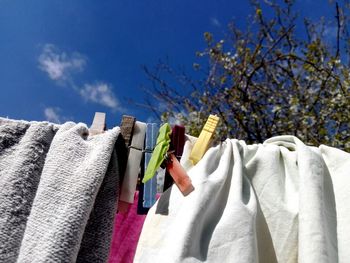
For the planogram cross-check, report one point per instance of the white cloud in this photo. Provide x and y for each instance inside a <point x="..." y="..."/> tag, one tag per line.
<point x="52" y="114"/>
<point x="101" y="93"/>
<point x="215" y="22"/>
<point x="59" y="65"/>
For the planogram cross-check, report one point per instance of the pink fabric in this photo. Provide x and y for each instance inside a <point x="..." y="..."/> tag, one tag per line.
<point x="126" y="233"/>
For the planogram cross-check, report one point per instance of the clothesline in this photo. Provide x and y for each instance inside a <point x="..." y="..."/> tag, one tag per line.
<point x="61" y="187"/>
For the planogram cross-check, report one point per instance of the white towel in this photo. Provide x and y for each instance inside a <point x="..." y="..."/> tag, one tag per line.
<point x="74" y="169"/>
<point x="280" y="201"/>
<point x="58" y="192"/>
<point x="23" y="148"/>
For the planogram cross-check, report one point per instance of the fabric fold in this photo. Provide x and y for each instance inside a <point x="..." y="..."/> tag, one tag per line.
<point x="214" y="223"/>
<point x="23" y="148"/>
<point x="338" y="164"/>
<point x="67" y="214"/>
<point x="127" y="229"/>
<point x="273" y="202"/>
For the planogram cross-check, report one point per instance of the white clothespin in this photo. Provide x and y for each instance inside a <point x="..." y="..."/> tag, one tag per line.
<point x="98" y="124"/>
<point x="133" y="165"/>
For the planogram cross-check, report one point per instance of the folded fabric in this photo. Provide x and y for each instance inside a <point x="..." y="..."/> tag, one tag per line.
<point x="23" y="148"/>
<point x="280" y="201"/>
<point x="69" y="193"/>
<point x="58" y="192"/>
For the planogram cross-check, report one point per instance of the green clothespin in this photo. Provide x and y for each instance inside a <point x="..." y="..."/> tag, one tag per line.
<point x="159" y="152"/>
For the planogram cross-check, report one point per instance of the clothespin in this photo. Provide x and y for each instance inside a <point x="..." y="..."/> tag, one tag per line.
<point x="150" y="187"/>
<point x="126" y="131"/>
<point x="178" y="140"/>
<point x="203" y="141"/>
<point x="98" y="124"/>
<point x="133" y="165"/>
<point x="158" y="155"/>
<point x="177" y="145"/>
<point x="127" y="128"/>
<point x="162" y="156"/>
<point x="181" y="179"/>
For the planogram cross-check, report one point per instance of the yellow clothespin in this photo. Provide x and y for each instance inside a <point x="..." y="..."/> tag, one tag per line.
<point x="98" y="124"/>
<point x="201" y="145"/>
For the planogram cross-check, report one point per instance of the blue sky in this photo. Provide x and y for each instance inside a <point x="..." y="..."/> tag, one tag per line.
<point x="64" y="60"/>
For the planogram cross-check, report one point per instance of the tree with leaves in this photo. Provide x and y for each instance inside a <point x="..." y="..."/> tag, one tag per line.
<point x="265" y="80"/>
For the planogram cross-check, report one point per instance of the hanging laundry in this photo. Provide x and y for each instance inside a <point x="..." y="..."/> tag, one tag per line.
<point x="71" y="217"/>
<point x="280" y="201"/>
<point x="23" y="149"/>
<point x="127" y="230"/>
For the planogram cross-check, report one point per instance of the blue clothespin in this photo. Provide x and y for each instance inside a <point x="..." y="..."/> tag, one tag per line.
<point x="150" y="187"/>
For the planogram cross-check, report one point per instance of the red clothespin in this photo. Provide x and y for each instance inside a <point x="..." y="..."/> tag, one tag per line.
<point x="179" y="175"/>
<point x="178" y="140"/>
<point x="176" y="145"/>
